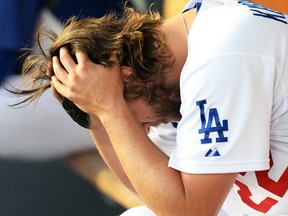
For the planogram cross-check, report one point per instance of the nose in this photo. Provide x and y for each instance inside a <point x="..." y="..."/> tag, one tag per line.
<point x="146" y="127"/>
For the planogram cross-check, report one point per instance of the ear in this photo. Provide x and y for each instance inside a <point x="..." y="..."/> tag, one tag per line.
<point x="126" y="73"/>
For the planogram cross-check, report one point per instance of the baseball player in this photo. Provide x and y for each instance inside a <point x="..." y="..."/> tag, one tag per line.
<point x="226" y="151"/>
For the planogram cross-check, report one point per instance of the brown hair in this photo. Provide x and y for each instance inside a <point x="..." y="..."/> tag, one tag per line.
<point x="135" y="37"/>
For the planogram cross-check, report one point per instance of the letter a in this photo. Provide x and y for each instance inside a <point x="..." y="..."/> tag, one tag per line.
<point x="207" y="129"/>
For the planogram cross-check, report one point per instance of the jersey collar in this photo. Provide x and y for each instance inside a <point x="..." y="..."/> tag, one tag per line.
<point x="193" y="4"/>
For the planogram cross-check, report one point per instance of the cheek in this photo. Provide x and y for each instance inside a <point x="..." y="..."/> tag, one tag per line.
<point x="142" y="112"/>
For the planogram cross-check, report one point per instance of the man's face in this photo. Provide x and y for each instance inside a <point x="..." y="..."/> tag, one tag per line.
<point x="154" y="102"/>
<point x="147" y="116"/>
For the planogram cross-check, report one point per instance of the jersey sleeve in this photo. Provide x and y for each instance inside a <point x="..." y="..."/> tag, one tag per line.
<point x="164" y="137"/>
<point x="226" y="109"/>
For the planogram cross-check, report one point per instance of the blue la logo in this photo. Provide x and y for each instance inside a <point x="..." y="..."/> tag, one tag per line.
<point x="207" y="127"/>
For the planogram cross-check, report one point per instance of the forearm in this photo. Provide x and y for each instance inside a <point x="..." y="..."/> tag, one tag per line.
<point x="108" y="154"/>
<point x="158" y="185"/>
<point x="165" y="190"/>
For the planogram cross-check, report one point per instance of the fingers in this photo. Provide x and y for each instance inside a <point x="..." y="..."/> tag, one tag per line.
<point x="64" y="72"/>
<point x="66" y="59"/>
<point x="59" y="71"/>
<point x="82" y="57"/>
<point x="55" y="93"/>
<point x="67" y="65"/>
<point x="58" y="88"/>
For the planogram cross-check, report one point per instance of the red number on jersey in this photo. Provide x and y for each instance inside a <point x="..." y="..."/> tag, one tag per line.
<point x="278" y="188"/>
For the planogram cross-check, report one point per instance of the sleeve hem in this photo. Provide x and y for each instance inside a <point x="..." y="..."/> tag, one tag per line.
<point x="219" y="168"/>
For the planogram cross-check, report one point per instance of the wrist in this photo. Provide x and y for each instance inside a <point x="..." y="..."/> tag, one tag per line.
<point x="95" y="123"/>
<point x="119" y="112"/>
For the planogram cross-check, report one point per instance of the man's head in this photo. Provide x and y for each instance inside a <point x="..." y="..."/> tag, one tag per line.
<point x="139" y="44"/>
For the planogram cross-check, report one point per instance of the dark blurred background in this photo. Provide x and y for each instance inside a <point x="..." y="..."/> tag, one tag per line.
<point x="34" y="180"/>
<point x="49" y="189"/>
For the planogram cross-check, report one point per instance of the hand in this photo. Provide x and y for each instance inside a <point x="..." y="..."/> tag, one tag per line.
<point x="94" y="88"/>
<point x="50" y="73"/>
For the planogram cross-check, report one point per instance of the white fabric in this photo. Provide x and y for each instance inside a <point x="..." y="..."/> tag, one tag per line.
<point x="237" y="61"/>
<point x="237" y="77"/>
<point x="144" y="211"/>
<point x="164" y="137"/>
<point x="138" y="211"/>
<point x="41" y="131"/>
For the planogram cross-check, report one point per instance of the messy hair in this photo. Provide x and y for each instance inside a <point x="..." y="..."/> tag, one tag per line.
<point x="134" y="37"/>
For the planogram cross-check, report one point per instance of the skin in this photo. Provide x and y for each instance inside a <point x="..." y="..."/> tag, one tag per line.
<point x="119" y="129"/>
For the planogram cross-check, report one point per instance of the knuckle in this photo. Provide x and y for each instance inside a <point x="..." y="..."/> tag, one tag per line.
<point x="70" y="95"/>
<point x="75" y="78"/>
<point x="83" y="67"/>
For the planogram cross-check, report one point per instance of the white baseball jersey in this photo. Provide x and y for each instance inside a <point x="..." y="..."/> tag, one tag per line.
<point x="234" y="92"/>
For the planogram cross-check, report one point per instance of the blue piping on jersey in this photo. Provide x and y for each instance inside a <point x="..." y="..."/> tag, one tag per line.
<point x="197" y="6"/>
<point x="174" y="124"/>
